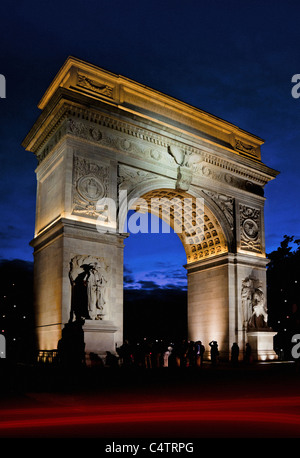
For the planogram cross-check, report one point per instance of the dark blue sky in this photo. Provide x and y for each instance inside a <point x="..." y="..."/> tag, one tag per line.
<point x="233" y="59"/>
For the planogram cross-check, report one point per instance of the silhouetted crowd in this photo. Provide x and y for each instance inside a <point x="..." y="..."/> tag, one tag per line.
<point x="159" y="353"/>
<point x="147" y="353"/>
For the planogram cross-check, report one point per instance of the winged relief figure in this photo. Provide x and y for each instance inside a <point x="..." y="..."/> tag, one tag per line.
<point x="183" y="158"/>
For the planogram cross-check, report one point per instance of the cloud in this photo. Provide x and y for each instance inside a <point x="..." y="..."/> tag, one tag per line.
<point x="16" y="264"/>
<point x="10" y="232"/>
<point x="127" y="270"/>
<point x="148" y="284"/>
<point x="176" y="274"/>
<point x="173" y="287"/>
<point x="128" y="279"/>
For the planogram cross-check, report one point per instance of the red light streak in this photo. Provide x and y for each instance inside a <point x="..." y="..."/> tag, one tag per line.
<point x="281" y="413"/>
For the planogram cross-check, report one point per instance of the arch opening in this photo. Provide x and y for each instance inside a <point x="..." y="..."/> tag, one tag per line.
<point x="153" y="308"/>
<point x="155" y="286"/>
<point x="194" y="222"/>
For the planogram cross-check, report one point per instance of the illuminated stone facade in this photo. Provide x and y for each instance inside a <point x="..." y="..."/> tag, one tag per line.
<point x="100" y="134"/>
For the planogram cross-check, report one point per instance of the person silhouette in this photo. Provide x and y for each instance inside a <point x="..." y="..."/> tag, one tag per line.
<point x="214" y="351"/>
<point x="247" y="356"/>
<point x="235" y="353"/>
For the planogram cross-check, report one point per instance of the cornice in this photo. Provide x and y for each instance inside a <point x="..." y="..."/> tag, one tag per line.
<point x="86" y="81"/>
<point x="258" y="262"/>
<point x="52" y="127"/>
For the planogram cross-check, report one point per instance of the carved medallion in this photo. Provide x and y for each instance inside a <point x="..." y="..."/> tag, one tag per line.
<point x="90" y="188"/>
<point x="90" y="183"/>
<point x="250" y="229"/>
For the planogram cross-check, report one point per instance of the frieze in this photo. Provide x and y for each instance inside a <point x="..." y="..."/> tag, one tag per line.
<point x="123" y="142"/>
<point x="83" y="130"/>
<point x="212" y="172"/>
<point x="154" y="147"/>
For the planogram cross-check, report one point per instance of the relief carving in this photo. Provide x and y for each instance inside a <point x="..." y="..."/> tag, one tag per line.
<point x="184" y="178"/>
<point x="250" y="229"/>
<point x="90" y="183"/>
<point x="245" y="148"/>
<point x="89" y="277"/>
<point x="185" y="161"/>
<point x="129" y="177"/>
<point x="225" y="204"/>
<point x="254" y="308"/>
<point x="83" y="130"/>
<point x="87" y="83"/>
<point x="212" y="172"/>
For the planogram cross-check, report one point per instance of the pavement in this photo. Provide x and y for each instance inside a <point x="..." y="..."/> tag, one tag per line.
<point x="224" y="402"/>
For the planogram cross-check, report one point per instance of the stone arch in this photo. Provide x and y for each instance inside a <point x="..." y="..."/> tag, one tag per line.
<point x="214" y="237"/>
<point x="212" y="244"/>
<point x="135" y="192"/>
<point x="113" y="135"/>
<point x="224" y="215"/>
<point x="201" y="234"/>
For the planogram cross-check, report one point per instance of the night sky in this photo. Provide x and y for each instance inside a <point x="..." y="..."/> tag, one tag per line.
<point x="230" y="58"/>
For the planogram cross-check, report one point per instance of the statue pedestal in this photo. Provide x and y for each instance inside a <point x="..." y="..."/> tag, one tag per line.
<point x="99" y="337"/>
<point x="262" y="345"/>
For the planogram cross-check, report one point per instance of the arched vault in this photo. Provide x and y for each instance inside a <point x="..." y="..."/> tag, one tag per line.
<point x="194" y="222"/>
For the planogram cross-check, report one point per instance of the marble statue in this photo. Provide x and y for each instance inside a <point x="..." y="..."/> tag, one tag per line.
<point x="246" y="300"/>
<point x="259" y="317"/>
<point x="89" y="282"/>
<point x="95" y="292"/>
<point x="253" y="304"/>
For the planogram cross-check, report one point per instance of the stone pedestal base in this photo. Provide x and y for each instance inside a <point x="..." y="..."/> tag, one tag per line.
<point x="99" y="337"/>
<point x="262" y="345"/>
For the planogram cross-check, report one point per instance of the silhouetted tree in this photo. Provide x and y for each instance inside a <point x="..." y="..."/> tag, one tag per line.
<point x="283" y="281"/>
<point x="16" y="309"/>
